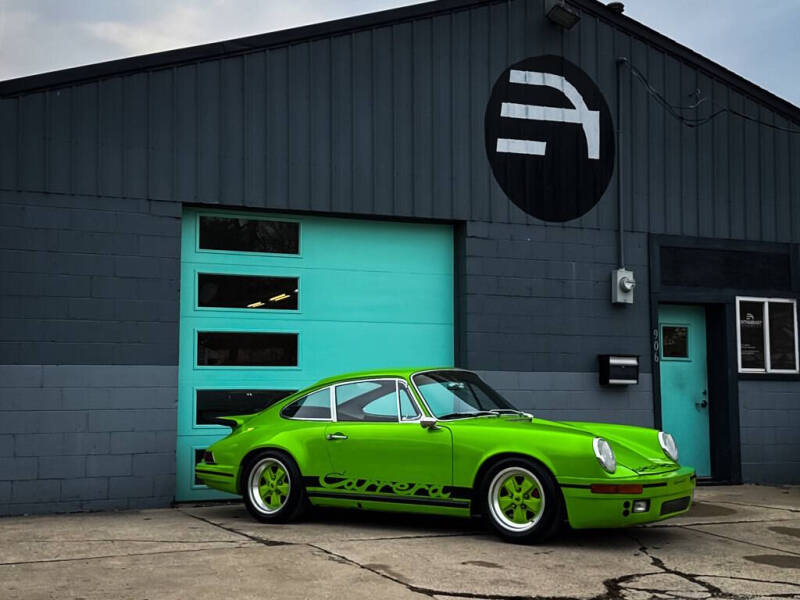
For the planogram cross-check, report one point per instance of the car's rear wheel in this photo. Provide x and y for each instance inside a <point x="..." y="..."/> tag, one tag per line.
<point x="273" y="487"/>
<point x="521" y="500"/>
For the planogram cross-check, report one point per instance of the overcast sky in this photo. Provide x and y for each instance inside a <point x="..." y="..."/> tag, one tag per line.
<point x="759" y="40"/>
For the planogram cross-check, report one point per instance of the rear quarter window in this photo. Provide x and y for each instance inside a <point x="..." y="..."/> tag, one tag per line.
<point x="316" y="405"/>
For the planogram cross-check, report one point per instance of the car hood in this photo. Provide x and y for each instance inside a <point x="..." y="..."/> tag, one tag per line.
<point x="635" y="448"/>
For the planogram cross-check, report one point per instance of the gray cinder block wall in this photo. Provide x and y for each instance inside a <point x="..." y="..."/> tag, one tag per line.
<point x="575" y="397"/>
<point x="538" y="313"/>
<point x="88" y="375"/>
<point x="537" y="298"/>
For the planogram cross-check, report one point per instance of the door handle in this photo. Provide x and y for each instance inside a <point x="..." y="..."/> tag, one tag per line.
<point x="702" y="404"/>
<point x="336" y="436"/>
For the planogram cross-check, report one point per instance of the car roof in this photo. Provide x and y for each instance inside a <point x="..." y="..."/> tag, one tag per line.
<point x="404" y="372"/>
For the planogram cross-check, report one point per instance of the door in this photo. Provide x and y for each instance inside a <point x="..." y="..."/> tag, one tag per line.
<point x="684" y="383"/>
<point x="370" y="445"/>
<point x="272" y="303"/>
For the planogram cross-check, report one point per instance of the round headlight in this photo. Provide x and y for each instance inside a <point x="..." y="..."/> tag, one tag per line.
<point x="668" y="445"/>
<point x="605" y="455"/>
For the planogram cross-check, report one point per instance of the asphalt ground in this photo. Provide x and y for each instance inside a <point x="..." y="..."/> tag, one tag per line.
<point x="736" y="542"/>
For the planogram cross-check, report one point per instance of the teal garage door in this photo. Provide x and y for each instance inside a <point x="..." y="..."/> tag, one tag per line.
<point x="272" y="303"/>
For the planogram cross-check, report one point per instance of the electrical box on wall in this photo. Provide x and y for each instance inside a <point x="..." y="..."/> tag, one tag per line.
<point x="622" y="284"/>
<point x="618" y="369"/>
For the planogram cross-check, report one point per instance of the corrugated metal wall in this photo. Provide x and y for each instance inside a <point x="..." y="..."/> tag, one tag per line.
<point x="389" y="121"/>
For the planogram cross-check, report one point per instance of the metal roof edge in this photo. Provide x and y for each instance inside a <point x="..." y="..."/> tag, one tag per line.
<point x="232" y="47"/>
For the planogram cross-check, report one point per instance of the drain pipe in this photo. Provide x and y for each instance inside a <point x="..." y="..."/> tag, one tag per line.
<point x="622" y="280"/>
<point x="620" y="62"/>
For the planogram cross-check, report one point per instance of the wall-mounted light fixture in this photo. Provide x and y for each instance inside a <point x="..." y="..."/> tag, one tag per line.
<point x="616" y="7"/>
<point x="561" y="14"/>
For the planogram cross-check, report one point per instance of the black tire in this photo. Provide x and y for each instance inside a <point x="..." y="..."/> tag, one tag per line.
<point x="266" y="465"/>
<point x="536" y="525"/>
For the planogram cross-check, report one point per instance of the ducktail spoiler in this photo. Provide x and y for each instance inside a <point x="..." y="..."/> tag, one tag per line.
<point x="233" y="421"/>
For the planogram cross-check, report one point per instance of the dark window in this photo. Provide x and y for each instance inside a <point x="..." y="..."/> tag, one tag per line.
<point x="219" y="403"/>
<point x="675" y="341"/>
<point x="751" y="335"/>
<point x="316" y="405"/>
<point x="782" y="336"/>
<point x="198" y="456"/>
<point x="223" y="348"/>
<point x="249" y="235"/>
<point x="731" y="269"/>
<point x="247" y="291"/>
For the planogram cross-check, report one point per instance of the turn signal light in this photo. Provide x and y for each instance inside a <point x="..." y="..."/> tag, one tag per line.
<point x="605" y="488"/>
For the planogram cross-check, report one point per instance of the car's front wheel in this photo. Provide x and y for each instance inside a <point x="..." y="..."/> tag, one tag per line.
<point x="273" y="487"/>
<point x="521" y="500"/>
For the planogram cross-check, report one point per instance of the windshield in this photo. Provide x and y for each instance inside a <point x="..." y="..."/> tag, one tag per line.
<point x="451" y="394"/>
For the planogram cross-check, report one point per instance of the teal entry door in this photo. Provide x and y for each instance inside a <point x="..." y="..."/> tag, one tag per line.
<point x="272" y="303"/>
<point x="684" y="383"/>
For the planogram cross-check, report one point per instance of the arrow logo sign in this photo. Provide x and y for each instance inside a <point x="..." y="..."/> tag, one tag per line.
<point x="549" y="138"/>
<point x="588" y="119"/>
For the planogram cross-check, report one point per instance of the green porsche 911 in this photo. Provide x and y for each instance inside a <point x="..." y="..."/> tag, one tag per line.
<point x="442" y="441"/>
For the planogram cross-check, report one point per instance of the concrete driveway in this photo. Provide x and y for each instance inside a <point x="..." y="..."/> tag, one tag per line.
<point x="737" y="542"/>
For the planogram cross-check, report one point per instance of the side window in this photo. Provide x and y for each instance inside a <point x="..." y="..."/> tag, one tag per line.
<point x="371" y="401"/>
<point x="675" y="342"/>
<point x="408" y="410"/>
<point x="317" y="405"/>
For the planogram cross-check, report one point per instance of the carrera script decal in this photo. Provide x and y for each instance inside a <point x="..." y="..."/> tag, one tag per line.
<point x="653" y="466"/>
<point x="333" y="481"/>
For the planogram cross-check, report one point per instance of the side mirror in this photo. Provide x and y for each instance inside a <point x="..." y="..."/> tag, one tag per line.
<point x="428" y="422"/>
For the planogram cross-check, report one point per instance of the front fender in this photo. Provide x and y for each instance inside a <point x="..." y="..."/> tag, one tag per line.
<point x="562" y="451"/>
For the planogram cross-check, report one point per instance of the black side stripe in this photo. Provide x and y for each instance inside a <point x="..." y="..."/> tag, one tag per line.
<point x="395" y="499"/>
<point x="218" y="473"/>
<point x="459" y="492"/>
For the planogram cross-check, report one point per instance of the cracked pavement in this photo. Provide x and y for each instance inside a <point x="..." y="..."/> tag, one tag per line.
<point x="736" y="542"/>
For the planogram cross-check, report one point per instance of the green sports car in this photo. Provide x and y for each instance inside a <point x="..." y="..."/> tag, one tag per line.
<point x="442" y="441"/>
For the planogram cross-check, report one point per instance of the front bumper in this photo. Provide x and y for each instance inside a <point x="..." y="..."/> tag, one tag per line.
<point x="219" y="477"/>
<point x="670" y="493"/>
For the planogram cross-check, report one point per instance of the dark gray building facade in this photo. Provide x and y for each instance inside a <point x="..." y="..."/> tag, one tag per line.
<point x="387" y="118"/>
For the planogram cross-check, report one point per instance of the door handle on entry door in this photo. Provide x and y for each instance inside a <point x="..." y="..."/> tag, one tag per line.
<point x="704" y="403"/>
<point x="336" y="436"/>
